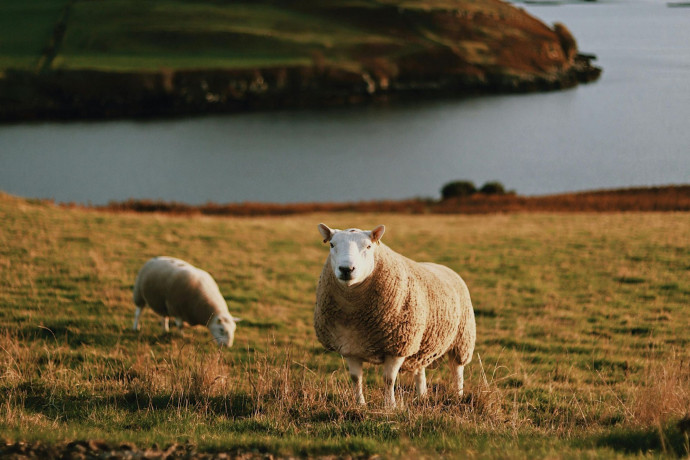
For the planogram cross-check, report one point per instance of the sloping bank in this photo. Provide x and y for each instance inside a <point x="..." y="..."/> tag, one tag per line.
<point x="418" y="49"/>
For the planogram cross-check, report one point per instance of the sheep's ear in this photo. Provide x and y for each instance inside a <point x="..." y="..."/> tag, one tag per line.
<point x="237" y="320"/>
<point x="377" y="233"/>
<point x="326" y="232"/>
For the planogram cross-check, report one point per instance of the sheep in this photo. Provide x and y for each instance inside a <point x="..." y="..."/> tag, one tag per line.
<point x="375" y="305"/>
<point x="174" y="288"/>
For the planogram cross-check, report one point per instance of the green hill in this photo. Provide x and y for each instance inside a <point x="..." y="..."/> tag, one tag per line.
<point x="77" y="58"/>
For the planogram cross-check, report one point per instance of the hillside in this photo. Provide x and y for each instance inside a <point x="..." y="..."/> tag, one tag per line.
<point x="77" y="59"/>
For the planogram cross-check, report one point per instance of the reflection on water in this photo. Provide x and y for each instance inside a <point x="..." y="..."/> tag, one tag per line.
<point x="629" y="128"/>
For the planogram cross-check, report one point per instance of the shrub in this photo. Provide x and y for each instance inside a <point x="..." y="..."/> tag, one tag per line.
<point x="492" y="188"/>
<point x="458" y="188"/>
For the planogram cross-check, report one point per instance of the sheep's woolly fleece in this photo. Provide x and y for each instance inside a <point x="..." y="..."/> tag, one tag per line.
<point x="172" y="287"/>
<point x="420" y="311"/>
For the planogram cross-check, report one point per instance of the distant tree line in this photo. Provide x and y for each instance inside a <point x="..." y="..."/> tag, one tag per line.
<point x="464" y="188"/>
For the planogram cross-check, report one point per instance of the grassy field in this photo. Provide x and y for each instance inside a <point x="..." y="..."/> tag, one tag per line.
<point x="582" y="351"/>
<point x="131" y="35"/>
<point x="178" y="34"/>
<point x="125" y="35"/>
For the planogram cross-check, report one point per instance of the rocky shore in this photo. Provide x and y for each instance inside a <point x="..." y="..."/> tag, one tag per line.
<point x="95" y="94"/>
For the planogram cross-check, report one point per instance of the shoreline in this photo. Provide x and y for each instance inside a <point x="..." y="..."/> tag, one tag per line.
<point x="80" y="95"/>
<point x="667" y="198"/>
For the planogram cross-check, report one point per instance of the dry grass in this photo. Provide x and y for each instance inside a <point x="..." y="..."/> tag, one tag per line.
<point x="663" y="395"/>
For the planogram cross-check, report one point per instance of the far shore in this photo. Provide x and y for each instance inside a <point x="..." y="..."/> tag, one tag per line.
<point x="232" y="57"/>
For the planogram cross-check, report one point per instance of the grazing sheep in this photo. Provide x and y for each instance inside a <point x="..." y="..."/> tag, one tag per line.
<point x="175" y="288"/>
<point x="375" y="305"/>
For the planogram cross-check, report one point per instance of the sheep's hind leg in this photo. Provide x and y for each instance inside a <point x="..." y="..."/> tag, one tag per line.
<point x="166" y="324"/>
<point x="420" y="382"/>
<point x="137" y="314"/>
<point x="391" y="367"/>
<point x="355" y="366"/>
<point x="179" y="323"/>
<point x="457" y="371"/>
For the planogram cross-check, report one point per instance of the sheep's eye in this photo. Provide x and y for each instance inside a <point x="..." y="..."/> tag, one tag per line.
<point x="332" y="245"/>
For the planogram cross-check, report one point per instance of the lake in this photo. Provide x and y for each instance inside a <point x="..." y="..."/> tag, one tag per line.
<point x="630" y="128"/>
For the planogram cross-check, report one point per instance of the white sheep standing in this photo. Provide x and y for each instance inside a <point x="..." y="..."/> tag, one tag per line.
<point x="174" y="288"/>
<point x="375" y="305"/>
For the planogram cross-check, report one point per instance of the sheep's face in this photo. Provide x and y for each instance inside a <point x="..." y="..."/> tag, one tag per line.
<point x="352" y="252"/>
<point x="223" y="329"/>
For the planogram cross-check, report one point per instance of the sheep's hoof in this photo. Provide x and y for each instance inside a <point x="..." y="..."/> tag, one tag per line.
<point x="390" y="404"/>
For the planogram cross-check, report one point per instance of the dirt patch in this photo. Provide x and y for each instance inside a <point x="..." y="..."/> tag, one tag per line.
<point x="97" y="449"/>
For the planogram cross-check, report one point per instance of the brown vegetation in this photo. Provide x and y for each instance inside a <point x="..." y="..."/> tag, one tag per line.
<point x="666" y="198"/>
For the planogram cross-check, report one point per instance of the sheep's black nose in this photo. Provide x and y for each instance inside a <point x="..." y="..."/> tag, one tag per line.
<point x="345" y="270"/>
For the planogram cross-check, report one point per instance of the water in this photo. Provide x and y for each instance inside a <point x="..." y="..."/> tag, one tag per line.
<point x="630" y="128"/>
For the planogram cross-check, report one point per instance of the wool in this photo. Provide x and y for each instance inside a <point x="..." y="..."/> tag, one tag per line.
<point x="174" y="288"/>
<point x="419" y="311"/>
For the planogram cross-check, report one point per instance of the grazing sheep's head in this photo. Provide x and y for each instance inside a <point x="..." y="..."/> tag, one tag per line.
<point x="352" y="252"/>
<point x="223" y="329"/>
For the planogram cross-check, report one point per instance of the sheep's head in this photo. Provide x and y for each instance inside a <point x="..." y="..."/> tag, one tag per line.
<point x="352" y="252"/>
<point x="223" y="329"/>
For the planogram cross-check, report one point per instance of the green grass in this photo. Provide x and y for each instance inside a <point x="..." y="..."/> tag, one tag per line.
<point x="171" y="34"/>
<point x="381" y="38"/>
<point x="582" y="345"/>
<point x="25" y="30"/>
<point x="125" y="35"/>
<point x="130" y="35"/>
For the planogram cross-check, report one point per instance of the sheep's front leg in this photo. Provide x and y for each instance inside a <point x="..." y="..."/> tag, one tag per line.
<point x="420" y="382"/>
<point x="166" y="324"/>
<point x="137" y="314"/>
<point x="391" y="367"/>
<point x="355" y="366"/>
